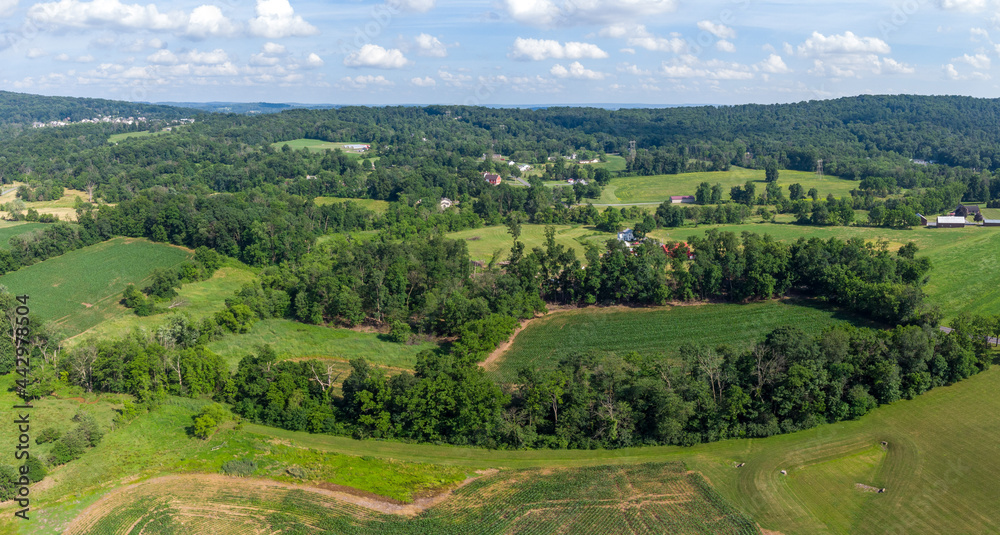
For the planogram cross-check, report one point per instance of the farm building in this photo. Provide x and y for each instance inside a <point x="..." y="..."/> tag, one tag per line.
<point x="445" y="203"/>
<point x="944" y="221"/>
<point x="492" y="178"/>
<point x="964" y="210"/>
<point x="359" y="147"/>
<point x="991" y="222"/>
<point x="678" y="199"/>
<point x="923" y="220"/>
<point x="626" y="235"/>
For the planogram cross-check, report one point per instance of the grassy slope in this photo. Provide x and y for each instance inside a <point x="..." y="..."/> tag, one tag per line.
<point x="652" y="331"/>
<point x="316" y="145"/>
<point x="59" y="287"/>
<point x="291" y="339"/>
<point x="490" y="239"/>
<point x="660" y="187"/>
<point x="966" y="269"/>
<point x="940" y="468"/>
<point x="9" y="229"/>
<point x="200" y="299"/>
<point x="379" y="207"/>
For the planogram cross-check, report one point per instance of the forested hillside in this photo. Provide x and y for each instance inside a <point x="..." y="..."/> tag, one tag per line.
<point x="25" y="108"/>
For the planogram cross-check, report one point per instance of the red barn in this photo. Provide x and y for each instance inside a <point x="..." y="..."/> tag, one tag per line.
<point x="493" y="179"/>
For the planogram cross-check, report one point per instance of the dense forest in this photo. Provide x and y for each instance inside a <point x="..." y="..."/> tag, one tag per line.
<point x="229" y="187"/>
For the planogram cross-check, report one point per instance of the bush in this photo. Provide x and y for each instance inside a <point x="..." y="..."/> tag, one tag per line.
<point x="8" y="482"/>
<point x="208" y="420"/>
<point x="243" y="468"/>
<point x="68" y="448"/>
<point x="49" y="434"/>
<point x="399" y="331"/>
<point x="36" y="470"/>
<point x="297" y="471"/>
<point x="88" y="429"/>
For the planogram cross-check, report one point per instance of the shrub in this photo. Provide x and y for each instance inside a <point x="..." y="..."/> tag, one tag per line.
<point x="297" y="471"/>
<point x="49" y="434"/>
<point x="8" y="482"/>
<point x="242" y="468"/>
<point x="399" y="331"/>
<point x="36" y="470"/>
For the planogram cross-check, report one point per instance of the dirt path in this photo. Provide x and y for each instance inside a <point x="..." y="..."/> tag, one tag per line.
<point x="504" y="346"/>
<point x="92" y="514"/>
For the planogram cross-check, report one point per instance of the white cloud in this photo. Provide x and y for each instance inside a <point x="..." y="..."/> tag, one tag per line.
<point x="363" y="81"/>
<point x="962" y="5"/>
<point x="454" y="80"/>
<point x="891" y="66"/>
<point x="426" y="81"/>
<point x="215" y="57"/>
<point x="637" y="35"/>
<point x="34" y="53"/>
<point x="274" y="49"/>
<point x="277" y="19"/>
<point x="163" y="57"/>
<point x="420" y="6"/>
<point x="428" y="45"/>
<point x="78" y="59"/>
<point x="848" y="43"/>
<point x="576" y="70"/>
<point x="725" y="46"/>
<point x="548" y="13"/>
<point x="633" y="69"/>
<point x="77" y="14"/>
<point x="314" y="61"/>
<point x="208" y="21"/>
<point x="688" y="66"/>
<point x="951" y="72"/>
<point x="979" y="61"/>
<point x="7" y="7"/>
<point x="774" y="65"/>
<point x="719" y="30"/>
<point x="540" y="49"/>
<point x="375" y="56"/>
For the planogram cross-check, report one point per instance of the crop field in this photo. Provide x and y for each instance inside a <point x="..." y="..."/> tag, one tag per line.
<point x="643" y="499"/>
<point x="294" y="340"/>
<point x="547" y="340"/>
<point x="196" y="299"/>
<point x="379" y="207"/>
<point x="9" y="229"/>
<point x="316" y="145"/>
<point x="646" y="189"/>
<point x="484" y="242"/>
<point x="966" y="268"/>
<point x="62" y="207"/>
<point x="81" y="288"/>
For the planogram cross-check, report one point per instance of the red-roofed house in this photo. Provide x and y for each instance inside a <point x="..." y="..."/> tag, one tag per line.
<point x="492" y="178"/>
<point x="678" y="199"/>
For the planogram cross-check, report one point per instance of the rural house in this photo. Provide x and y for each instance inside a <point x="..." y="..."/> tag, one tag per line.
<point x="626" y="235"/>
<point x="678" y="199"/>
<point x="964" y="210"/>
<point x="492" y="178"/>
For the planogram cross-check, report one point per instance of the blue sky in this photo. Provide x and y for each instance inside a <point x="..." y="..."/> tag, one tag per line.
<point x="498" y="52"/>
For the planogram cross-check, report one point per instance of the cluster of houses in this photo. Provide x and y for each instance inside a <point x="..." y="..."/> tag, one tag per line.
<point x="672" y="250"/>
<point x="357" y="147"/>
<point x="958" y="218"/>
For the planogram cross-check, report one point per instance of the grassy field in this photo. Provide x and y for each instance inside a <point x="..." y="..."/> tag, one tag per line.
<point x="483" y="242"/>
<point x="644" y="189"/>
<point x="966" y="269"/>
<point x="294" y="340"/>
<point x="376" y="206"/>
<point x="648" y="498"/>
<point x="62" y="207"/>
<point x="81" y="288"/>
<point x="316" y="145"/>
<point x="9" y="229"/>
<point x="546" y="340"/>
<point x="196" y="299"/>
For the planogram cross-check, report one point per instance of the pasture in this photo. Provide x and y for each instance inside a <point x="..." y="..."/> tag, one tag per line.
<point x="294" y="340"/>
<point x="379" y="207"/>
<point x="9" y="229"/>
<point x="649" y="498"/>
<point x="658" y="188"/>
<point x="660" y="331"/>
<point x="484" y="242"/>
<point x="316" y="145"/>
<point x="81" y="288"/>
<point x="196" y="299"/>
<point x="61" y="208"/>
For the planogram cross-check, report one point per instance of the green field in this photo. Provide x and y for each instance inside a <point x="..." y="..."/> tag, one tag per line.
<point x="649" y="498"/>
<point x="379" y="207"/>
<point x="650" y="189"/>
<point x="316" y="145"/>
<point x="294" y="340"/>
<point x="81" y="288"/>
<point x="9" y="229"/>
<point x="483" y="242"/>
<point x="660" y="330"/>
<point x="196" y="299"/>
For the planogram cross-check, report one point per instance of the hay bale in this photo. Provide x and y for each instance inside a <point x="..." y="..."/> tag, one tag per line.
<point x="784" y="473"/>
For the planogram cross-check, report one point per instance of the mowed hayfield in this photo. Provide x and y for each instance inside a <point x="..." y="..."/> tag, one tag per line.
<point x="652" y="331"/>
<point x="9" y="229"/>
<point x="316" y="145"/>
<point x="484" y="242"/>
<point x="647" y="498"/>
<point x="195" y="300"/>
<point x="965" y="276"/>
<point x="61" y="208"/>
<point x="379" y="207"/>
<point x="81" y="288"/>
<point x="294" y="340"/>
<point x="658" y="188"/>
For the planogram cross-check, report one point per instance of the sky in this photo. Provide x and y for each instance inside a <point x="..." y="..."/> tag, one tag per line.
<point x="499" y="52"/>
